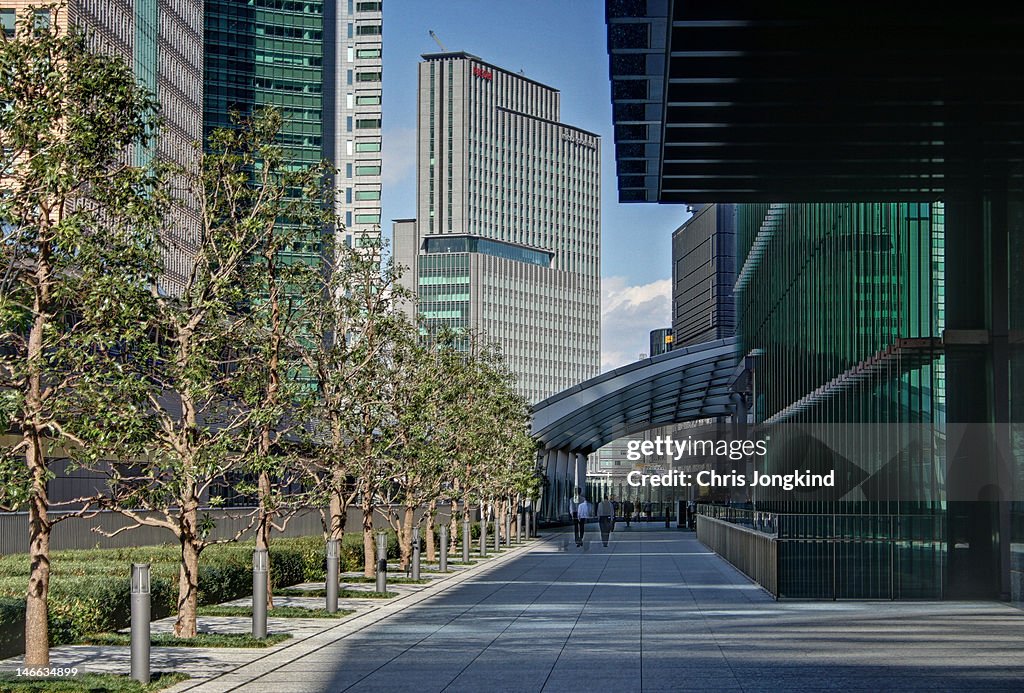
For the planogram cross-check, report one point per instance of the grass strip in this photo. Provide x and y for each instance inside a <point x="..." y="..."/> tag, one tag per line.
<point x="343" y="594"/>
<point x="277" y="611"/>
<point x="201" y="640"/>
<point x="88" y="683"/>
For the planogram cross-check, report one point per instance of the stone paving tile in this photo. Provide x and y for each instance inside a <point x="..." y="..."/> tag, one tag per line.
<point x="655" y="611"/>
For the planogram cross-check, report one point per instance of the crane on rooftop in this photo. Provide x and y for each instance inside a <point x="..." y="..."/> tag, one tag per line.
<point x="437" y="40"/>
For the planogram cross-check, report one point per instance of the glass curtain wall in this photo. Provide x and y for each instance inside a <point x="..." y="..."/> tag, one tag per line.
<point x="836" y="291"/>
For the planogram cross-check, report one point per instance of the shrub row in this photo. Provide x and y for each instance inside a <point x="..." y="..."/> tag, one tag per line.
<point x="90" y="591"/>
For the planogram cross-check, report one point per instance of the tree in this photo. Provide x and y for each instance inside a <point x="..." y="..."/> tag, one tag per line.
<point x="355" y="308"/>
<point x="270" y="382"/>
<point x="79" y="245"/>
<point x="198" y="355"/>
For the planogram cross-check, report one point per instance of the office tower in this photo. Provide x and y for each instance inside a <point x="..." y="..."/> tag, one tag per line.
<point x="661" y="341"/>
<point x="507" y="232"/>
<point x="352" y="112"/>
<point x="703" y="274"/>
<point x="319" y="63"/>
<point x="163" y="42"/>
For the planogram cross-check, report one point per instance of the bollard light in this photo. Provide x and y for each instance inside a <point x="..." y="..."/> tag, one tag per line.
<point x="466" y="534"/>
<point x="443" y="561"/>
<point x="415" y="553"/>
<point x="483" y="534"/>
<point x="140" y="622"/>
<point x="332" y="576"/>
<point x="260" y="567"/>
<point x="382" y="561"/>
<point x="497" y="533"/>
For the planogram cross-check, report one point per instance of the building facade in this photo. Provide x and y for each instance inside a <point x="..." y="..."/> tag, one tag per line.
<point x="318" y="63"/>
<point x="703" y="274"/>
<point x="661" y="341"/>
<point x="507" y="233"/>
<point x="163" y="42"/>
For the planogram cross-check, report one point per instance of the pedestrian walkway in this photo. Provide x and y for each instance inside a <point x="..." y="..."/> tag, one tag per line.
<point x="655" y="611"/>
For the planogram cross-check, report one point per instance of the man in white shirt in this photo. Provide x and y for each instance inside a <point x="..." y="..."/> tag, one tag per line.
<point x="584" y="511"/>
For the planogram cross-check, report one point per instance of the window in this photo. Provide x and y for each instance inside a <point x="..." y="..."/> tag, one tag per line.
<point x="7" y="21"/>
<point x="367" y="194"/>
<point x="368" y="30"/>
<point x="368" y="146"/>
<point x="368" y="7"/>
<point x="348" y="220"/>
<point x="367" y="218"/>
<point x="367" y="170"/>
<point x="348" y="123"/>
<point x="368" y="100"/>
<point x="42" y="19"/>
<point x="348" y="170"/>
<point x="350" y="29"/>
<point x="368" y="123"/>
<point x="368" y="77"/>
<point x="349" y="77"/>
<point x="367" y="53"/>
<point x="348" y="196"/>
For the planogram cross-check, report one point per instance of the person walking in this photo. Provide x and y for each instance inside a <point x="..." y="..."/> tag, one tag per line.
<point x="627" y="511"/>
<point x="584" y="511"/>
<point x="605" y="517"/>
<point x="574" y="504"/>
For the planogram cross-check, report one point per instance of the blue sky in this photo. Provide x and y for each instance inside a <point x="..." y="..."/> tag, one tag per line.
<point x="560" y="43"/>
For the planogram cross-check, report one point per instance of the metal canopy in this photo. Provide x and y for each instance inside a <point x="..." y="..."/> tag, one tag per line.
<point x="682" y="385"/>
<point x="814" y="101"/>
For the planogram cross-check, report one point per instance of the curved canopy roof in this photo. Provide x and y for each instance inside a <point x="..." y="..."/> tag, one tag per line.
<point x="684" y="384"/>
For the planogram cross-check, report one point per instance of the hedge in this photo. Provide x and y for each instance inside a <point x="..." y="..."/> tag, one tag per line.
<point x="90" y="590"/>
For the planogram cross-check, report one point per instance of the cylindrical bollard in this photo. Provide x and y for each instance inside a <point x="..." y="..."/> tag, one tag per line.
<point x="332" y="576"/>
<point x="497" y="533"/>
<point x="508" y="528"/>
<point x="382" y="561"/>
<point x="533" y="521"/>
<point x="259" y="593"/>
<point x="140" y="622"/>
<point x="519" y="526"/>
<point x="466" y="534"/>
<point x="415" y="553"/>
<point x="443" y="561"/>
<point x="483" y="535"/>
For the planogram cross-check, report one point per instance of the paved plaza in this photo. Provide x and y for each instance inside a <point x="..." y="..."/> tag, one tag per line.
<point x="654" y="611"/>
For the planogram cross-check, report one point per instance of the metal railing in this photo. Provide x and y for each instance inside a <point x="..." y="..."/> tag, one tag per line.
<point x="754" y="553"/>
<point x="765" y="522"/>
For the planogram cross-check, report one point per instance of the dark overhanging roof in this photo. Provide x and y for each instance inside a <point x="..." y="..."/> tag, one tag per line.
<point x="813" y="101"/>
<point x="685" y="384"/>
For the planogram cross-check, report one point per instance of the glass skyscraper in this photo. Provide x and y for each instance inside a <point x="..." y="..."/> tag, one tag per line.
<point x="319" y="63"/>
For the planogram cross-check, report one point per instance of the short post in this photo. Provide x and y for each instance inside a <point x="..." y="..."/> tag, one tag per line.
<point x="415" y="553"/>
<point x="259" y="593"/>
<point x="443" y="561"/>
<point x="519" y="525"/>
<point x="483" y="533"/>
<point x="332" y="576"/>
<point x="497" y="533"/>
<point x="140" y="622"/>
<point x="466" y="535"/>
<point x="508" y="528"/>
<point x="382" y="561"/>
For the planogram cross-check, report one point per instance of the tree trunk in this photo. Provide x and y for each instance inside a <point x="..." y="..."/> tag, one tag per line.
<point x="266" y="519"/>
<point x="405" y="537"/>
<point x="37" y="634"/>
<point x="429" y="522"/>
<point x="337" y="512"/>
<point x="188" y="576"/>
<point x="369" y="559"/>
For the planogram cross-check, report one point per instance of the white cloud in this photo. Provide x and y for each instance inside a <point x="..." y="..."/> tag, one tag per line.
<point x="628" y="314"/>
<point x="399" y="155"/>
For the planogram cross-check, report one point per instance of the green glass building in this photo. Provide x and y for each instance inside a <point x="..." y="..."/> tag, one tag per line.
<point x="842" y="306"/>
